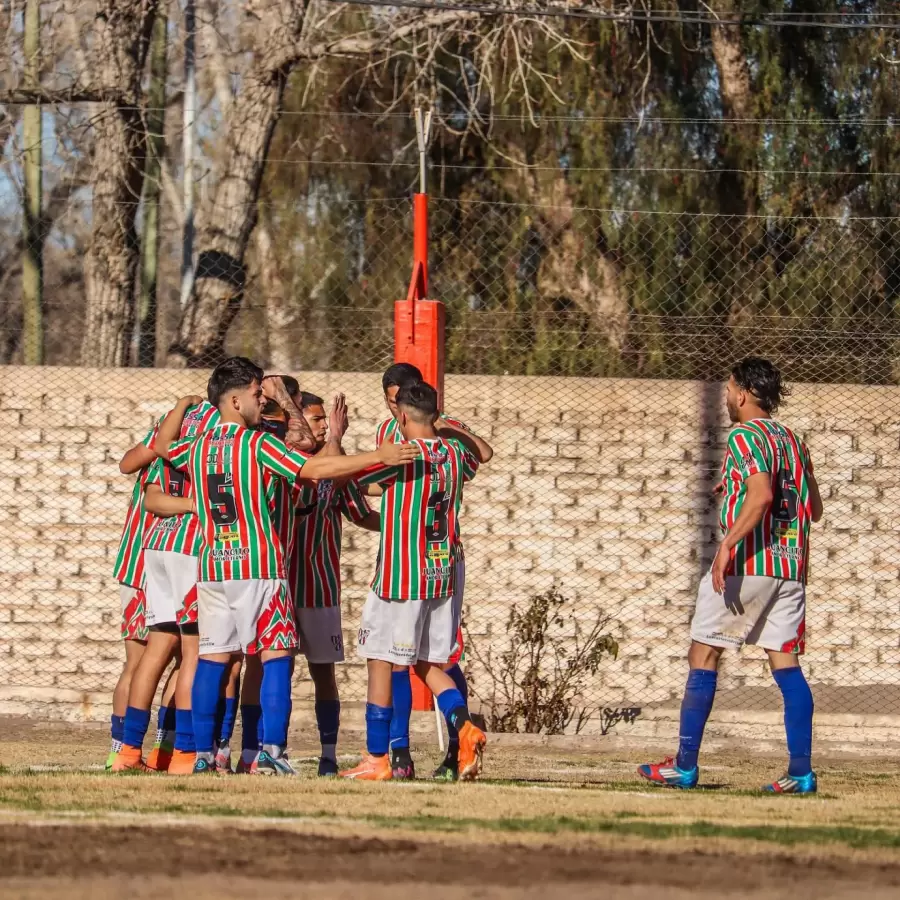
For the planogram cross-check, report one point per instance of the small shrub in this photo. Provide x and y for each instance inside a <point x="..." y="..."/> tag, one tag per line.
<point x="533" y="687"/>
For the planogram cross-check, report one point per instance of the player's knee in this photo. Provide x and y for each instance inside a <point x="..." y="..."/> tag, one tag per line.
<point x="703" y="656"/>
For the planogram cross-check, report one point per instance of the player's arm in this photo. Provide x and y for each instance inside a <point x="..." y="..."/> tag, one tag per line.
<point x="478" y="447"/>
<point x="373" y="490"/>
<point x="371" y="522"/>
<point x="170" y="430"/>
<point x="817" y="509"/>
<point x="139" y="456"/>
<point x="755" y="467"/>
<point x="298" y="431"/>
<point x="164" y="505"/>
<point x="343" y="466"/>
<point x="355" y="508"/>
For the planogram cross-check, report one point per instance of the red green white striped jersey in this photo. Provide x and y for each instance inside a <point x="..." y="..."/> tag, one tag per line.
<point x="129" y="565"/>
<point x="179" y="534"/>
<point x="237" y="475"/>
<point x="389" y="430"/>
<point x="316" y="551"/>
<point x="419" y="513"/>
<point x="778" y="547"/>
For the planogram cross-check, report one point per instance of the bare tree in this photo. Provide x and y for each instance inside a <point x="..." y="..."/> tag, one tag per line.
<point x="121" y="39"/>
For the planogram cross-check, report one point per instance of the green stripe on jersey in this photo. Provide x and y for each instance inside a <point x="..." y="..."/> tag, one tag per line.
<point x="778" y="547"/>
<point x="236" y="474"/>
<point x="419" y="516"/>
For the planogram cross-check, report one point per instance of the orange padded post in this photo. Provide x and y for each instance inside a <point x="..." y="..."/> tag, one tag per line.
<point x="419" y="326"/>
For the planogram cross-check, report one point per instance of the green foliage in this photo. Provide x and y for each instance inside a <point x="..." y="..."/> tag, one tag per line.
<point x="534" y="685"/>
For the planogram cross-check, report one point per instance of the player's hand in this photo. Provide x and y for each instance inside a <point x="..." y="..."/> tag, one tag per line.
<point x="191" y="400"/>
<point x="272" y="386"/>
<point x="721" y="565"/>
<point x="719" y="489"/>
<point x="392" y="454"/>
<point x="338" y="420"/>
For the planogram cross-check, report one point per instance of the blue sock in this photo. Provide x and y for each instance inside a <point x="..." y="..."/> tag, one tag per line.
<point x="117" y="728"/>
<point x="275" y="699"/>
<point x="378" y="729"/>
<point x="453" y="708"/>
<point x="798" y="716"/>
<point x="204" y="699"/>
<point x="165" y="719"/>
<point x="251" y="720"/>
<point x="696" y="706"/>
<point x="401" y="691"/>
<point x="184" y="731"/>
<point x="328" y="718"/>
<point x="456" y="673"/>
<point x="225" y="723"/>
<point x="137" y="721"/>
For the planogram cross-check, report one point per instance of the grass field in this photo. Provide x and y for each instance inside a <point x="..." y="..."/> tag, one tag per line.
<point x="541" y="822"/>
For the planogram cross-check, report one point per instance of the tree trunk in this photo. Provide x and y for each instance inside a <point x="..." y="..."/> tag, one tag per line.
<point x="282" y="350"/>
<point x="32" y="235"/>
<point x="156" y="148"/>
<point x="121" y="37"/>
<point x="228" y="220"/>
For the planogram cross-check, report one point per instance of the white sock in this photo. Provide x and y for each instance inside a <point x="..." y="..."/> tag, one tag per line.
<point x="329" y="751"/>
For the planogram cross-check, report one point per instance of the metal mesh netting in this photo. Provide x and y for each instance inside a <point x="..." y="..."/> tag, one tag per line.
<point x="588" y="346"/>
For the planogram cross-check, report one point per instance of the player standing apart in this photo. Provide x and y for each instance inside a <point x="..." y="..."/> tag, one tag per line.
<point x="243" y="597"/>
<point x="396" y="377"/>
<point x="408" y="618"/>
<point x="755" y="592"/>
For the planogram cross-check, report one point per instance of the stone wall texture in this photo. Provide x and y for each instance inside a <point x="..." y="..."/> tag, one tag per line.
<point x="599" y="487"/>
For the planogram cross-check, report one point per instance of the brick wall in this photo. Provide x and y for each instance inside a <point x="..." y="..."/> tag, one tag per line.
<point x="599" y="487"/>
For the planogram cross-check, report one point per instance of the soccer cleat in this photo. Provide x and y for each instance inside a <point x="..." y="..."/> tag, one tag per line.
<point x="668" y="774"/>
<point x="448" y="770"/>
<point x="205" y="764"/>
<point x="794" y="784"/>
<point x="128" y="759"/>
<point x="160" y="756"/>
<point x="110" y="759"/>
<point x="372" y="768"/>
<point x="328" y="768"/>
<point x="183" y="762"/>
<point x="223" y="759"/>
<point x="402" y="766"/>
<point x="275" y="763"/>
<point x="472" y="741"/>
<point x="247" y="767"/>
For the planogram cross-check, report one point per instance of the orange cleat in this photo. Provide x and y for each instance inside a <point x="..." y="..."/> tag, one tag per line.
<point x="372" y="768"/>
<point x="182" y="763"/>
<point x="128" y="759"/>
<point x="472" y="741"/>
<point x="160" y="757"/>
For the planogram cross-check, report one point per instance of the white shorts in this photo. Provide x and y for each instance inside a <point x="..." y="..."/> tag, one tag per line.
<point x="319" y="633"/>
<point x="170" y="579"/>
<point x="252" y="615"/>
<point x="402" y="632"/>
<point x="755" y="609"/>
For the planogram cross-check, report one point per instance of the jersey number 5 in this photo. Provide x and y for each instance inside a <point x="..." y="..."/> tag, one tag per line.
<point x="221" y="499"/>
<point x="439" y="504"/>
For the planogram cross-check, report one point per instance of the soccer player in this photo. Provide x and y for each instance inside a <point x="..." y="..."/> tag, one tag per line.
<point x="755" y="592"/>
<point x="408" y="617"/>
<point x="242" y="591"/>
<point x="129" y="572"/>
<point x="171" y="547"/>
<point x="316" y="570"/>
<point x="396" y="377"/>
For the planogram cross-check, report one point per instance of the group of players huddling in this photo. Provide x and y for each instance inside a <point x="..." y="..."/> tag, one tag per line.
<point x="229" y="564"/>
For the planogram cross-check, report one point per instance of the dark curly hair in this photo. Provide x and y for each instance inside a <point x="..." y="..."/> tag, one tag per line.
<point x="763" y="380"/>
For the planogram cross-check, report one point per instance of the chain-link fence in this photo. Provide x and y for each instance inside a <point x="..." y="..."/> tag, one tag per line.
<point x="593" y="365"/>
<point x="601" y="267"/>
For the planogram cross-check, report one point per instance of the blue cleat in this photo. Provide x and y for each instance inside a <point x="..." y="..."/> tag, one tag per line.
<point x="794" y="784"/>
<point x="667" y="774"/>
